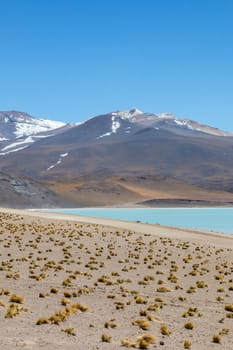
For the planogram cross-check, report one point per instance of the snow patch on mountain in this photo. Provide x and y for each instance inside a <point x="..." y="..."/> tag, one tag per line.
<point x="127" y="130"/>
<point x="18" y="124"/>
<point x="13" y="150"/>
<point x="25" y="128"/>
<point x="106" y="134"/>
<point x="13" y="147"/>
<point x="129" y="113"/>
<point x="166" y="116"/>
<point x="180" y="122"/>
<point x="63" y="155"/>
<point x="3" y="139"/>
<point x="114" y="127"/>
<point x="28" y="139"/>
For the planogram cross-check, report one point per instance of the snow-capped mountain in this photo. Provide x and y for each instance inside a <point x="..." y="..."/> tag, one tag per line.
<point x="169" y="121"/>
<point x="120" y="142"/>
<point x="18" y="130"/>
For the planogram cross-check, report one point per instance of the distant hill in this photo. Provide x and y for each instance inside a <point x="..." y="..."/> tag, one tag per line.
<point x="19" y="191"/>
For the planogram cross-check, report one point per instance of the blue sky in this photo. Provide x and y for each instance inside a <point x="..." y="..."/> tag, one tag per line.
<point x="72" y="59"/>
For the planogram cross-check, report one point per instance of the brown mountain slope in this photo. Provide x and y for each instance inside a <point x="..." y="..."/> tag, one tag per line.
<point x="130" y="190"/>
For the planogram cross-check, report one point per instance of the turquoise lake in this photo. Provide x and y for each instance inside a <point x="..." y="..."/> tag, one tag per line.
<point x="211" y="219"/>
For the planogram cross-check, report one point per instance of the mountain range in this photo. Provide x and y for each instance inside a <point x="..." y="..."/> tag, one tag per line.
<point x="119" y="157"/>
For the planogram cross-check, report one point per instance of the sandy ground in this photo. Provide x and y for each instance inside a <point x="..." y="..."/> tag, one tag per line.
<point x="70" y="282"/>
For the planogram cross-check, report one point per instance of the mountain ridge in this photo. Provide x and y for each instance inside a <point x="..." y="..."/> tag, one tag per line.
<point x="19" y="129"/>
<point x="78" y="161"/>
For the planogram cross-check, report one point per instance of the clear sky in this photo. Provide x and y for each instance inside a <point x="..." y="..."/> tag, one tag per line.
<point x="72" y="59"/>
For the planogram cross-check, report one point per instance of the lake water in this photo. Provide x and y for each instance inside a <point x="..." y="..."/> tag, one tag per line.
<point x="211" y="219"/>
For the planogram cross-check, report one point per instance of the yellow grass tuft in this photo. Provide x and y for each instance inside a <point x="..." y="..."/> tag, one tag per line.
<point x="42" y="320"/>
<point x="165" y="330"/>
<point x="142" y="323"/>
<point x="216" y="339"/>
<point x="106" y="338"/>
<point x="145" y="341"/>
<point x="187" y="344"/>
<point x="69" y="331"/>
<point x="17" y="299"/>
<point x="189" y="325"/>
<point x="229" y="307"/>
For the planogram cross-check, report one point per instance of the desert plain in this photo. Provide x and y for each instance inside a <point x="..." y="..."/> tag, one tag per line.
<point x="70" y="282"/>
